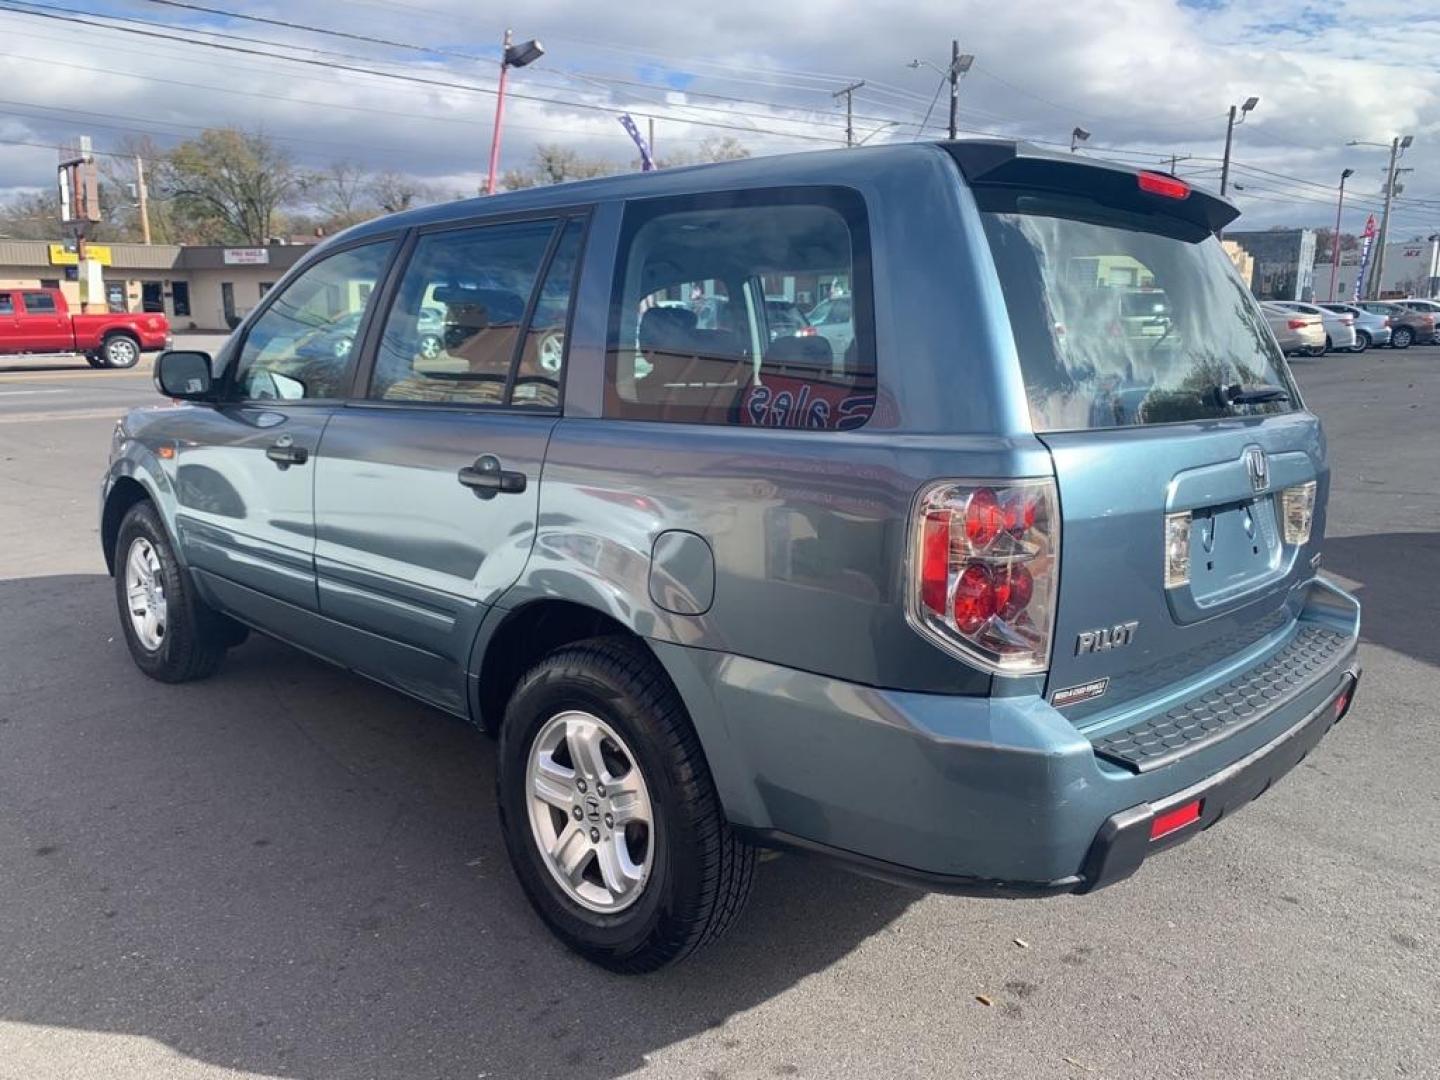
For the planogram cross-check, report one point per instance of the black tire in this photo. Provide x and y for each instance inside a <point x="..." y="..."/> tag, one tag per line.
<point x="1402" y="337"/>
<point x="701" y="873"/>
<point x="195" y="637"/>
<point x="1328" y="345"/>
<point x="120" y="351"/>
<point x="1362" y="341"/>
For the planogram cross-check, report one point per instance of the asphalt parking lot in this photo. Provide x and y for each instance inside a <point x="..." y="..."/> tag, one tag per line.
<point x="286" y="871"/>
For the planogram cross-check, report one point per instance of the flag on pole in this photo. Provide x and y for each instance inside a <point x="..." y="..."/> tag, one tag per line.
<point x="1369" y="235"/>
<point x="647" y="163"/>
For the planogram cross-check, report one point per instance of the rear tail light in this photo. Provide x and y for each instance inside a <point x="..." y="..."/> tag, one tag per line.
<point x="1297" y="505"/>
<point x="806" y="331"/>
<point x="1177" y="549"/>
<point x="1297" y="324"/>
<point x="1385" y="321"/>
<point x="984" y="568"/>
<point x="1348" y="320"/>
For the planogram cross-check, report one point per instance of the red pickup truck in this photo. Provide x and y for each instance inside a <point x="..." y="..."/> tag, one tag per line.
<point x="39" y="321"/>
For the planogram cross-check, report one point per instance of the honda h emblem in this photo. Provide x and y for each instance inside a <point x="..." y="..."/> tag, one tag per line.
<point x="1258" y="468"/>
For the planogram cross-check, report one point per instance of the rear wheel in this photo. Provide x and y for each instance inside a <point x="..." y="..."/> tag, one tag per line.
<point x="120" y="351"/>
<point x="1362" y="341"/>
<point x="1402" y="337"/>
<point x="609" y="812"/>
<point x="172" y="635"/>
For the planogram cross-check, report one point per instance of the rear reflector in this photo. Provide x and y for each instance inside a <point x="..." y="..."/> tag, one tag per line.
<point x="1168" y="822"/>
<point x="1342" y="703"/>
<point x="1166" y="186"/>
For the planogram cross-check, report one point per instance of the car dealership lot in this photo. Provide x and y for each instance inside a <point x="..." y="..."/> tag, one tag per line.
<point x="288" y="871"/>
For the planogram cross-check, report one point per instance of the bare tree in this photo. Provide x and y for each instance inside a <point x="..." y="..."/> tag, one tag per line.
<point x="394" y="192"/>
<point x="34" y="216"/>
<point x="712" y="148"/>
<point x="341" y="194"/>
<point x="551" y="163"/>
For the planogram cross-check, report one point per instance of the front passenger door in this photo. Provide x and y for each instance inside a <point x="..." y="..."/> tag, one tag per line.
<point x="245" y="472"/>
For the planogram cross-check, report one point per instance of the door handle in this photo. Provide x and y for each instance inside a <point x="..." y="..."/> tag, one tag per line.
<point x="285" y="453"/>
<point x="487" y="479"/>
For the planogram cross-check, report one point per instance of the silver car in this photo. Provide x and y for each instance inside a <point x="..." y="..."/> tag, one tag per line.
<point x="1370" y="328"/>
<point x="1296" y="331"/>
<point x="1339" y="327"/>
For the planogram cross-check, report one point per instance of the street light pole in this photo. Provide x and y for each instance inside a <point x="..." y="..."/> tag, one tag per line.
<point x="1335" y="247"/>
<point x="1243" y="111"/>
<point x="511" y="55"/>
<point x="954" y="86"/>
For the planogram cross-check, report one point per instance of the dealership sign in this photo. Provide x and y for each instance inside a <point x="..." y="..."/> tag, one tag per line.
<point x="247" y="257"/>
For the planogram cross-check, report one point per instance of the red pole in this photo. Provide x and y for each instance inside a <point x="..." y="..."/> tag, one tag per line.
<point x="1335" y="251"/>
<point x="499" y="116"/>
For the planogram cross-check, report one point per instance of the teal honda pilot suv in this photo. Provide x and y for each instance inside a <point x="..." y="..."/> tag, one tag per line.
<point x="964" y="581"/>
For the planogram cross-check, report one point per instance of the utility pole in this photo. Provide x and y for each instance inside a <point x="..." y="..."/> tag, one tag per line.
<point x="1377" y="278"/>
<point x="1175" y="160"/>
<point x="1243" y="110"/>
<point x="143" y="196"/>
<point x="1335" y="247"/>
<point x="651" y="125"/>
<point x="849" y="92"/>
<point x="954" y="86"/>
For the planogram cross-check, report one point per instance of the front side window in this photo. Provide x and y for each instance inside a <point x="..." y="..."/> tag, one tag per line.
<point x="1119" y="322"/>
<point x="454" y="335"/>
<point x="39" y="303"/>
<point x="303" y="345"/>
<point x="748" y="309"/>
<point x="7" y="305"/>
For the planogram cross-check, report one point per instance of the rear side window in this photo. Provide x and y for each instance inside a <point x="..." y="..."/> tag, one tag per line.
<point x="710" y="319"/>
<point x="7" y="305"/>
<point x="39" y="303"/>
<point x="1118" y="324"/>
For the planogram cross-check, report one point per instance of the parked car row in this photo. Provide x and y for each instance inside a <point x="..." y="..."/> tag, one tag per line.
<point x="1315" y="329"/>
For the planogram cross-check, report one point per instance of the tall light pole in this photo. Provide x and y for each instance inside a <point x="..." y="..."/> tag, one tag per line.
<point x="1398" y="146"/>
<point x="516" y="56"/>
<point x="1335" y="247"/>
<point x="1078" y="136"/>
<point x="1244" y="111"/>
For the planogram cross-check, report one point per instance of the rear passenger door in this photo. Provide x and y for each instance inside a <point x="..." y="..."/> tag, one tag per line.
<point x="427" y="481"/>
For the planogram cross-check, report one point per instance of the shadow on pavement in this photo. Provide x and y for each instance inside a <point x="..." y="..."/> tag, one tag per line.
<point x="1400" y="588"/>
<point x="288" y="870"/>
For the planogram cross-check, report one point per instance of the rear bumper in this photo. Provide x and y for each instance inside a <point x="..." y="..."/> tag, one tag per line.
<point x="999" y="795"/>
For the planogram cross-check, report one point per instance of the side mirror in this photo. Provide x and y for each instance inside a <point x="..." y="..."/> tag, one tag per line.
<point x="184" y="375"/>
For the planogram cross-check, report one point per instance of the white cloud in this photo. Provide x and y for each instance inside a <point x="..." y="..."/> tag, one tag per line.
<point x="1145" y="76"/>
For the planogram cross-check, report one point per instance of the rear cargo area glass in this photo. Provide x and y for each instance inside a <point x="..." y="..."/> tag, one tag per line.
<point x="1119" y="325"/>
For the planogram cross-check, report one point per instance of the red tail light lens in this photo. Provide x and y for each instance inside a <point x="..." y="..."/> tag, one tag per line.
<point x="984" y="569"/>
<point x="806" y="331"/>
<point x="1296" y="324"/>
<point x="1166" y="186"/>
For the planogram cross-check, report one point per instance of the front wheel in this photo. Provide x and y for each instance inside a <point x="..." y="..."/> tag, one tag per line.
<point x="120" y="351"/>
<point x="609" y="811"/>
<point x="1402" y="337"/>
<point x="172" y="635"/>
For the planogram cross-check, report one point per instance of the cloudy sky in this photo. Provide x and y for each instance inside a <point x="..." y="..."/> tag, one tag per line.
<point x="410" y="86"/>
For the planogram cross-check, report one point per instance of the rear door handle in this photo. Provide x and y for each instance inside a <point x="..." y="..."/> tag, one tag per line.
<point x="487" y="478"/>
<point x="285" y="453"/>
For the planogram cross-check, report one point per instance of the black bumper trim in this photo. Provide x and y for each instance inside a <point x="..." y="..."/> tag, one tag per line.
<point x="895" y="874"/>
<point x="1123" y="842"/>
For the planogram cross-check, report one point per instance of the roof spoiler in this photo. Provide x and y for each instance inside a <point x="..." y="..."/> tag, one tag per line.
<point x="1011" y="164"/>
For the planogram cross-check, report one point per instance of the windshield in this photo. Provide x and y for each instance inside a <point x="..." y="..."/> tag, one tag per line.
<point x="1120" y="325"/>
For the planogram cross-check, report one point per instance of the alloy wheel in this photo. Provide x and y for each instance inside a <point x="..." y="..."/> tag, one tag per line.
<point x="590" y="812"/>
<point x="145" y="594"/>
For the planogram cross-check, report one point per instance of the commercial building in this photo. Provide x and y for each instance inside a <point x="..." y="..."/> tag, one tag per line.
<point x="1412" y="268"/>
<point x="1283" y="262"/>
<point x="198" y="287"/>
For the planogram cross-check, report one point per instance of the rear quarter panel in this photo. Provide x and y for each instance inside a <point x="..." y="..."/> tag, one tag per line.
<point x="150" y="328"/>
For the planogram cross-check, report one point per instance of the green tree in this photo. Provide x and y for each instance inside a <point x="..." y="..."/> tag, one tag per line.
<point x="229" y="186"/>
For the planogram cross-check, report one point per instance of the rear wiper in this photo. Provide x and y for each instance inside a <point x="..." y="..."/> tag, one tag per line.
<point x="1236" y="394"/>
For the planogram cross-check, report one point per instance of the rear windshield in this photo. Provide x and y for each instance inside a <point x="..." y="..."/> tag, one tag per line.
<point x="1118" y="324"/>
